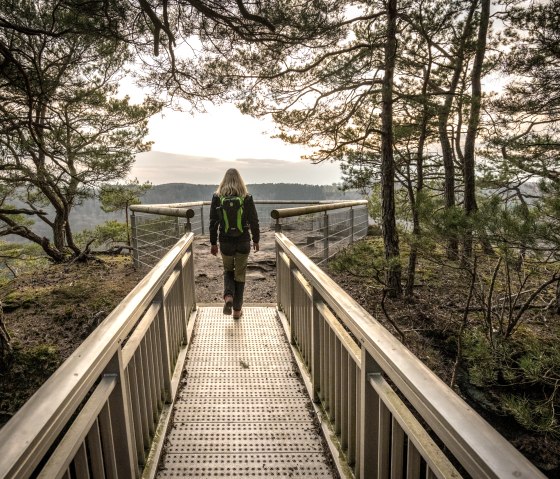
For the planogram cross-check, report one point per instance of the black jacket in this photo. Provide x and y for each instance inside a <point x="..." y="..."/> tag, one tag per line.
<point x="249" y="219"/>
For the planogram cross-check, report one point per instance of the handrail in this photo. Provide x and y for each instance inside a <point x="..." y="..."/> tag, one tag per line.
<point x="25" y="439"/>
<point x="481" y="450"/>
<point x="152" y="208"/>
<point x="305" y="210"/>
<point x="164" y="210"/>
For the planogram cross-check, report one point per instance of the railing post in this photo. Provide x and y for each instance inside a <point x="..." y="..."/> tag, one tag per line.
<point x="135" y="252"/>
<point x="177" y="228"/>
<point x="326" y="236"/>
<point x="278" y="226"/>
<point x="188" y="226"/>
<point x="279" y="278"/>
<point x="315" y="349"/>
<point x="164" y="348"/>
<point x="190" y="267"/>
<point x="368" y="419"/>
<point x="202" y="219"/>
<point x="291" y="306"/>
<point x="119" y="409"/>
<point x="351" y="225"/>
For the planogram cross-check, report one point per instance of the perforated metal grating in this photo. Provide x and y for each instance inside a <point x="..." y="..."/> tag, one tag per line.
<point x="243" y="411"/>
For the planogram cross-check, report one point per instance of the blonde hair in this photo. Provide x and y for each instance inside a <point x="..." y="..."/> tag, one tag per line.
<point x="232" y="184"/>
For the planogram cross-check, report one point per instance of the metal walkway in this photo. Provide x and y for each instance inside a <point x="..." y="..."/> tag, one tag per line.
<point x="242" y="410"/>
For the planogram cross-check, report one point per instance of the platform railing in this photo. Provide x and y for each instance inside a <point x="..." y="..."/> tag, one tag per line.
<point x="320" y="231"/>
<point x="320" y="228"/>
<point x="97" y="414"/>
<point x="379" y="398"/>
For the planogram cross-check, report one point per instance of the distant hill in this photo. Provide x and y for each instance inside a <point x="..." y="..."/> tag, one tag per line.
<point x="89" y="214"/>
<point x="184" y="192"/>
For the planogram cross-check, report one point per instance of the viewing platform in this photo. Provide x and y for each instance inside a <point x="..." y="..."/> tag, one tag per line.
<point x="308" y="386"/>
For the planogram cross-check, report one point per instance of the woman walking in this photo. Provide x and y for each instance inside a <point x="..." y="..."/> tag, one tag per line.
<point x="233" y="213"/>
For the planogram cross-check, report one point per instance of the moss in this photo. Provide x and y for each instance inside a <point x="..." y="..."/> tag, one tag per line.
<point x="44" y="357"/>
<point x="19" y="299"/>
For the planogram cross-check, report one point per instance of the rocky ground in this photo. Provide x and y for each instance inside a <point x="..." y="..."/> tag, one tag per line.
<point x="261" y="272"/>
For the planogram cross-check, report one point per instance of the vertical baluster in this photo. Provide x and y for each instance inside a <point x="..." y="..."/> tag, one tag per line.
<point x="107" y="441"/>
<point x="337" y="383"/>
<point x="164" y="349"/>
<point x="308" y="332"/>
<point x="429" y="473"/>
<point x="352" y="416"/>
<point x="384" y="441"/>
<point x="142" y="402"/>
<point x="147" y="391"/>
<point x="155" y="363"/>
<point x="294" y="329"/>
<point x="95" y="451"/>
<point x="358" y="451"/>
<point x="120" y="419"/>
<point x="159" y="355"/>
<point x="191" y="281"/>
<point x="344" y="394"/>
<point x="322" y="362"/>
<point x="170" y="314"/>
<point x="81" y="463"/>
<point x="178" y="314"/>
<point x="182" y="304"/>
<point x="279" y="278"/>
<point x="369" y="418"/>
<point x="413" y="462"/>
<point x="315" y="346"/>
<point x="332" y="404"/>
<point x="136" y="413"/>
<point x="291" y="305"/>
<point x="397" y="450"/>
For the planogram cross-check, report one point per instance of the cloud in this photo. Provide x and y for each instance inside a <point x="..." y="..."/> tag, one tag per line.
<point x="159" y="167"/>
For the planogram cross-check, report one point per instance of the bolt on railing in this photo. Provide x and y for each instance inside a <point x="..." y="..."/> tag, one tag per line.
<point x="320" y="227"/>
<point x="97" y="414"/>
<point x="373" y="389"/>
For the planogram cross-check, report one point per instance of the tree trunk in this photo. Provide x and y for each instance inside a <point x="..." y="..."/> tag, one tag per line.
<point x="416" y="230"/>
<point x="17" y="229"/>
<point x="5" y="341"/>
<point x="474" y="120"/>
<point x="443" y="121"/>
<point x="390" y="234"/>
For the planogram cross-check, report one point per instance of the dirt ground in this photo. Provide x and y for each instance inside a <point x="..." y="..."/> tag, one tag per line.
<point x="260" y="286"/>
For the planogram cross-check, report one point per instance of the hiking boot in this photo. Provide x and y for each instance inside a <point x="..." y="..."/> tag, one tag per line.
<point x="228" y="305"/>
<point x="237" y="313"/>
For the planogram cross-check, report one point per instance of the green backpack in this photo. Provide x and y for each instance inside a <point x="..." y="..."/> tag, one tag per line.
<point x="232" y="212"/>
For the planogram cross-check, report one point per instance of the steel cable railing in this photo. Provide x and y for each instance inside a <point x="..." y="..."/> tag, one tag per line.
<point x="320" y="231"/>
<point x="320" y="228"/>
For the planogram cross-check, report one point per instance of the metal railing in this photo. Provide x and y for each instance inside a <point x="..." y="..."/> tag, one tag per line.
<point x="97" y="414"/>
<point x="321" y="228"/>
<point x="320" y="231"/>
<point x="354" y="363"/>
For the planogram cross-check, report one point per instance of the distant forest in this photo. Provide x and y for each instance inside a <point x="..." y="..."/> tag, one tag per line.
<point x="89" y="214"/>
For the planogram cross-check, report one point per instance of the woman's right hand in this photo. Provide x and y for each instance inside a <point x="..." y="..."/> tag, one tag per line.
<point x="214" y="249"/>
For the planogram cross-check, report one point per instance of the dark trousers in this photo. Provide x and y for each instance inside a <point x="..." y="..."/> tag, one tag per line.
<point x="234" y="256"/>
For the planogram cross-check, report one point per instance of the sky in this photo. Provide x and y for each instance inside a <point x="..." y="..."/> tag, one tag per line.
<point x="199" y="148"/>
